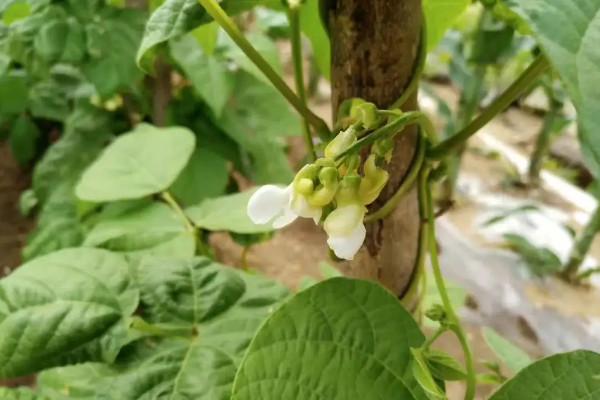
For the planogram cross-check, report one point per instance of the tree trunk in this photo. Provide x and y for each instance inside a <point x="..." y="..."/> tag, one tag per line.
<point x="374" y="50"/>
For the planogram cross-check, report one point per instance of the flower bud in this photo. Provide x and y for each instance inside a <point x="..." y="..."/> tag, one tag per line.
<point x="325" y="193"/>
<point x="367" y="113"/>
<point x="304" y="186"/>
<point x="383" y="148"/>
<point x="348" y="191"/>
<point x="436" y="313"/>
<point x="340" y="143"/>
<point x="374" y="181"/>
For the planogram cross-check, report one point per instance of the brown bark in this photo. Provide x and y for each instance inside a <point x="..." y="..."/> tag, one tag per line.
<point x="374" y="50"/>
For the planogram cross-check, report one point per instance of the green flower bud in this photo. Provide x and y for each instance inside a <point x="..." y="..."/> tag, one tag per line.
<point x="367" y="113"/>
<point x="340" y="143"/>
<point x="325" y="193"/>
<point x="325" y="162"/>
<point x="436" y="313"/>
<point x="374" y="181"/>
<point x="329" y="176"/>
<point x="304" y="186"/>
<point x="348" y="191"/>
<point x="383" y="148"/>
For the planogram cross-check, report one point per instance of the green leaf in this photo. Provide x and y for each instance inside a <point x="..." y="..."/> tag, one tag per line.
<point x="175" y="18"/>
<point x="63" y="308"/>
<point x="75" y="382"/>
<point x="340" y="339"/>
<point x="568" y="32"/>
<point x="226" y="213"/>
<point x="514" y="358"/>
<point x="443" y="366"/>
<point x="540" y="260"/>
<point x="423" y="375"/>
<point x="568" y="376"/>
<point x="153" y="228"/>
<point x="206" y="36"/>
<point x="457" y="294"/>
<point x="27" y="202"/>
<point x="140" y="163"/>
<point x="311" y="26"/>
<point x="211" y="78"/>
<point x="264" y="45"/>
<point x="228" y="306"/>
<point x="439" y="16"/>
<point x="19" y="394"/>
<point x="14" y="92"/>
<point x="15" y="12"/>
<point x="23" y="139"/>
<point x="111" y="43"/>
<point x="257" y="121"/>
<point x="205" y="176"/>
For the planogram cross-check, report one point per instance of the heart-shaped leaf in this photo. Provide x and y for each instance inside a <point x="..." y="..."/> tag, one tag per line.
<point x="568" y="376"/>
<point x="340" y="339"/>
<point x="140" y="163"/>
<point x="63" y="308"/>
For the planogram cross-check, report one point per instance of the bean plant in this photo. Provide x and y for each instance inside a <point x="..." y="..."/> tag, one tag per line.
<point x="120" y="297"/>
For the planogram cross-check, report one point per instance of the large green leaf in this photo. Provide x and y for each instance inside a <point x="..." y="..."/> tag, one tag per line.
<point x="312" y="27"/>
<point x="264" y="45"/>
<point x="226" y="213"/>
<point x="78" y="382"/>
<point x="174" y="18"/>
<point x="205" y="176"/>
<point x="211" y="78"/>
<point x="20" y="394"/>
<point x="226" y="305"/>
<point x="63" y="308"/>
<point x="568" y="376"/>
<point x="111" y="43"/>
<point x="568" y="32"/>
<point x="137" y="164"/>
<point x="13" y="92"/>
<point x="340" y="339"/>
<point x="439" y="16"/>
<point x="514" y="358"/>
<point x="258" y="121"/>
<point x="154" y="228"/>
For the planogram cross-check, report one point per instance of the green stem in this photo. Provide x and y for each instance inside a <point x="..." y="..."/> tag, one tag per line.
<point x="429" y="341"/>
<point x="426" y="201"/>
<point x="390" y="129"/>
<point x="173" y="204"/>
<point x="413" y="85"/>
<point x="405" y="186"/>
<point x="162" y="330"/>
<point x="294" y="18"/>
<point x="582" y="246"/>
<point x="220" y="16"/>
<point x="500" y="104"/>
<point x="544" y="140"/>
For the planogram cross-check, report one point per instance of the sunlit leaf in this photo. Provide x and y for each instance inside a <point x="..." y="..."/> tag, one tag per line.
<point x="514" y="358"/>
<point x="439" y="16"/>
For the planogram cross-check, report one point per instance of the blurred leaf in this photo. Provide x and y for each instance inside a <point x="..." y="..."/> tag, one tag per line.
<point x="206" y="36"/>
<point x="510" y="213"/>
<point x="257" y="121"/>
<point x="574" y="52"/>
<point x="111" y="43"/>
<point x="440" y="15"/>
<point x="204" y="176"/>
<point x="492" y="41"/>
<point x="273" y="23"/>
<point x="27" y="202"/>
<point x="14" y="93"/>
<point x="264" y="45"/>
<point x="567" y="376"/>
<point x="175" y="18"/>
<point x="226" y="213"/>
<point x="210" y="77"/>
<point x="514" y="358"/>
<point x="320" y="340"/>
<point x="23" y="139"/>
<point x="313" y="28"/>
<point x="20" y="394"/>
<point x="329" y="272"/>
<point x="48" y="320"/>
<point x="142" y="229"/>
<point x="128" y="167"/>
<point x="78" y="382"/>
<point x="541" y="261"/>
<point x="15" y="11"/>
<point x="307" y="282"/>
<point x="443" y="366"/>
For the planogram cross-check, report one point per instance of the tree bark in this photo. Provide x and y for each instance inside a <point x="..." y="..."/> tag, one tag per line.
<point x="374" y="51"/>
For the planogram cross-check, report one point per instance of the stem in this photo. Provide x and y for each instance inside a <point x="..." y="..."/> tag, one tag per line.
<point x="390" y="129"/>
<point x="405" y="186"/>
<point x="163" y="330"/>
<point x="500" y="104"/>
<point x="413" y="85"/>
<point x="582" y="246"/>
<point x="454" y="323"/>
<point x="294" y="18"/>
<point x="429" y="341"/>
<point x="220" y="16"/>
<point x="173" y="204"/>
<point x="543" y="142"/>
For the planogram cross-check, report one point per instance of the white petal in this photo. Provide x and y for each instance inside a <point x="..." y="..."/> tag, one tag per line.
<point x="301" y="207"/>
<point x="345" y="247"/>
<point x="268" y="202"/>
<point x="287" y="218"/>
<point x="344" y="220"/>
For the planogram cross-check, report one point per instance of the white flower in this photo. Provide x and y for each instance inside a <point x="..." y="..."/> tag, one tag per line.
<point x="279" y="206"/>
<point x="346" y="230"/>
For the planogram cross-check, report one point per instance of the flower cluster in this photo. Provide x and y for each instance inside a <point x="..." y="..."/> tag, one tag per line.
<point x="332" y="194"/>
